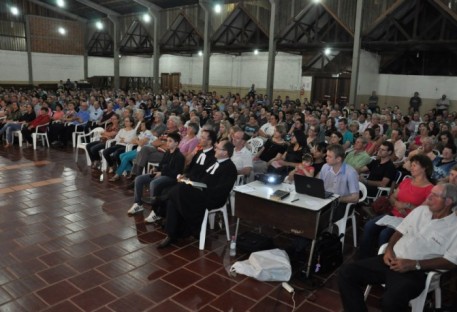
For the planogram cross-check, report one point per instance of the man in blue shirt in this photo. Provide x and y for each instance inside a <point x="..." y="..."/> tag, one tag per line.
<point x="78" y="122"/>
<point x="340" y="178"/>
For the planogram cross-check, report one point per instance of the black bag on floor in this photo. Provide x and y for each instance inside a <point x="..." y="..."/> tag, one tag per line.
<point x="328" y="253"/>
<point x="251" y="242"/>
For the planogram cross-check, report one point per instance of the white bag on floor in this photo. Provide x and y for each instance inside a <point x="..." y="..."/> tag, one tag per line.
<point x="265" y="265"/>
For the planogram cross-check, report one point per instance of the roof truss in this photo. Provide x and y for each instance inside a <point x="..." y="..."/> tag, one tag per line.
<point x="136" y="40"/>
<point x="101" y="44"/>
<point x="181" y="36"/>
<point x="239" y="31"/>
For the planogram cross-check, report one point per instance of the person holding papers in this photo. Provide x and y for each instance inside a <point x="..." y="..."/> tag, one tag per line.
<point x="187" y="204"/>
<point x="410" y="193"/>
<point x="425" y="240"/>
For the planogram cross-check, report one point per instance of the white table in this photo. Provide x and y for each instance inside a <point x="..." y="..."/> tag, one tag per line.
<point x="298" y="214"/>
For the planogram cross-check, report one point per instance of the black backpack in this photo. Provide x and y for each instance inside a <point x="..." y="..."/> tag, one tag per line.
<point x="328" y="253"/>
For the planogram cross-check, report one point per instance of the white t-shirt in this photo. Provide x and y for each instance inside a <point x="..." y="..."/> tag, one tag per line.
<point x="268" y="129"/>
<point x="424" y="238"/>
<point x="242" y="159"/>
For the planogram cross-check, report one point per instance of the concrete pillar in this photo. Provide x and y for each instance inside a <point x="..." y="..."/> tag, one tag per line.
<point x="116" y="39"/>
<point x="271" y="51"/>
<point x="206" y="46"/>
<point x="29" y="48"/>
<point x="356" y="54"/>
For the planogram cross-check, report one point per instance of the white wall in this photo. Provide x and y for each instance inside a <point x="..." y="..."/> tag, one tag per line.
<point x="431" y="87"/>
<point x="55" y="67"/>
<point x="13" y="66"/>
<point x="236" y="71"/>
<point x="100" y="66"/>
<point x="368" y="73"/>
<point x="225" y="70"/>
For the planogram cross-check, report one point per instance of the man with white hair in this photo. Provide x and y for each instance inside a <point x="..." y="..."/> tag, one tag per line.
<point x="425" y="240"/>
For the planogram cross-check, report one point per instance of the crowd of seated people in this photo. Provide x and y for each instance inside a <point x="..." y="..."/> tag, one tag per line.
<point x="315" y="139"/>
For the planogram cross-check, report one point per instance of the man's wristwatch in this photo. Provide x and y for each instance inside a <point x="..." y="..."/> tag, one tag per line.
<point x="418" y="265"/>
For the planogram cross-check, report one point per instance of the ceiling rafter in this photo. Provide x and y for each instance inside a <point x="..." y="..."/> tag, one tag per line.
<point x="383" y="16"/>
<point x="59" y="10"/>
<point x="182" y="35"/>
<point x="101" y="44"/>
<point x="240" y="29"/>
<point x="136" y="40"/>
<point x="99" y="7"/>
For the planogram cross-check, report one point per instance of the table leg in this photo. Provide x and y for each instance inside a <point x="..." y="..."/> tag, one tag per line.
<point x="310" y="258"/>
<point x="236" y="228"/>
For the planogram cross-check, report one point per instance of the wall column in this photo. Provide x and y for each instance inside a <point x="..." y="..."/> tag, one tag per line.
<point x="271" y="51"/>
<point x="356" y="54"/>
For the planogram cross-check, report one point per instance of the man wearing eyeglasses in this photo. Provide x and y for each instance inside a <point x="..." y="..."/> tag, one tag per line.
<point x="381" y="171"/>
<point x="187" y="204"/>
<point x="425" y="240"/>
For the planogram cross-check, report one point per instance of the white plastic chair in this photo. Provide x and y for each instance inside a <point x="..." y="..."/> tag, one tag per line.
<point x="385" y="190"/>
<point x="104" y="165"/>
<point x="43" y="135"/>
<point x="75" y="133"/>
<point x="18" y="134"/>
<point x="211" y="214"/>
<point x="254" y="144"/>
<point x="92" y="136"/>
<point x="432" y="283"/>
<point x="343" y="221"/>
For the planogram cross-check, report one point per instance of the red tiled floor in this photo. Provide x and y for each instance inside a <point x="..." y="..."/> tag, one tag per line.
<point x="93" y="299"/>
<point x="67" y="244"/>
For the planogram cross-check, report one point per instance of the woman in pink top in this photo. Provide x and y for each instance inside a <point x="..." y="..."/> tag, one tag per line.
<point x="409" y="194"/>
<point x="58" y="114"/>
<point x="190" y="141"/>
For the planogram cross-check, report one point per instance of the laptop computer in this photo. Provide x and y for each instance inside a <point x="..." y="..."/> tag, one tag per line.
<point x="310" y="186"/>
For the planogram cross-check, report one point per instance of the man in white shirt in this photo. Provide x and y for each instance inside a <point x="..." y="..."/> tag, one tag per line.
<point x="242" y="157"/>
<point x="425" y="240"/>
<point x="399" y="145"/>
<point x="268" y="129"/>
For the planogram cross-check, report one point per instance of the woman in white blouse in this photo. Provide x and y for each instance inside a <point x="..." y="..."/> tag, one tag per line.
<point x="125" y="136"/>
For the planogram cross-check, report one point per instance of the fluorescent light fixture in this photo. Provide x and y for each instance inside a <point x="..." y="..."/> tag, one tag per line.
<point x="316" y="1"/>
<point x="99" y="25"/>
<point x="146" y="18"/>
<point x="256" y="51"/>
<point x="327" y="51"/>
<point x="200" y="53"/>
<point x="217" y="8"/>
<point x="60" y="3"/>
<point x="62" y="31"/>
<point x="14" y="10"/>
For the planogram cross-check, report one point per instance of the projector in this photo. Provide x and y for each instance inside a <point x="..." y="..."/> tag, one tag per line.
<point x="269" y="178"/>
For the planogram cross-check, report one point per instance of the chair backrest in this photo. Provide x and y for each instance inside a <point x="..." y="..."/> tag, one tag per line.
<point x="398" y="177"/>
<point x="42" y="128"/>
<point x="96" y="134"/>
<point x="364" y="191"/>
<point x="254" y="144"/>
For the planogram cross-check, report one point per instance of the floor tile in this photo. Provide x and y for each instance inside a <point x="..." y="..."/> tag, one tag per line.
<point x="232" y="301"/>
<point x="193" y="298"/>
<point x="93" y="299"/>
<point x="57" y="292"/>
<point x="132" y="302"/>
<point x="159" y="291"/>
<point x="216" y="284"/>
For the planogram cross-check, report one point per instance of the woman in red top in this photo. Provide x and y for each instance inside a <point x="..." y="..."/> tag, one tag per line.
<point x="411" y="193"/>
<point x="42" y="119"/>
